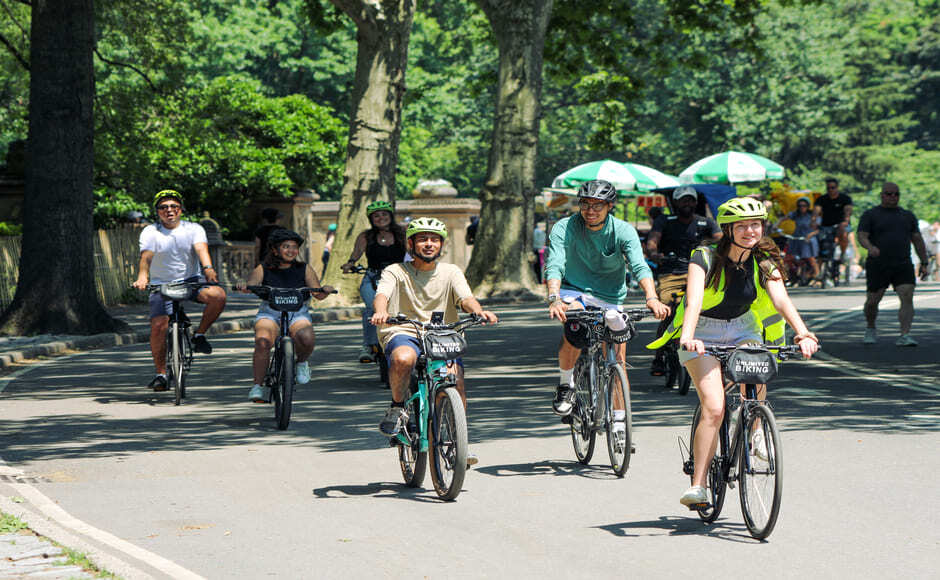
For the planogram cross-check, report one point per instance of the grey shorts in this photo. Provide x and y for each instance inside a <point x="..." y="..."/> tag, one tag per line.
<point x="160" y="306"/>
<point x="740" y="330"/>
<point x="265" y="311"/>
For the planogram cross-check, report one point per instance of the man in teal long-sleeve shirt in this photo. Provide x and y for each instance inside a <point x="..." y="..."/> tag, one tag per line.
<point x="587" y="265"/>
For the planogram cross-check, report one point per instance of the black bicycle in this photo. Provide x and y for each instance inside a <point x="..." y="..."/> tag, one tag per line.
<point x="179" y="345"/>
<point x="279" y="376"/>
<point x="436" y="418"/>
<point x="378" y="355"/>
<point x="675" y="373"/>
<point x="828" y="264"/>
<point x="749" y="442"/>
<point x="601" y="388"/>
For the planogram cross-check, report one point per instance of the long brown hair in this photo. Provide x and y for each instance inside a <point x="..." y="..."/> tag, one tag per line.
<point x="766" y="253"/>
<point x="271" y="261"/>
<point x="398" y="230"/>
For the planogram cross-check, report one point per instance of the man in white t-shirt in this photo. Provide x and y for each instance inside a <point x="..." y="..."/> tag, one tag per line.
<point x="416" y="289"/>
<point x="173" y="250"/>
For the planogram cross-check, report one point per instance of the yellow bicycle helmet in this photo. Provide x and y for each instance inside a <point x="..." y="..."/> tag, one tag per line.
<point x="379" y="205"/>
<point x="163" y="194"/>
<point x="426" y="224"/>
<point x="740" y="209"/>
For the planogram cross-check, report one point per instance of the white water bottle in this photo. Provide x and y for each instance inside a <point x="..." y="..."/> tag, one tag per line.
<point x="614" y="320"/>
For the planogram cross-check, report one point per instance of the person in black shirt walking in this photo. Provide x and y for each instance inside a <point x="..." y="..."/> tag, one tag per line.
<point x="887" y="232"/>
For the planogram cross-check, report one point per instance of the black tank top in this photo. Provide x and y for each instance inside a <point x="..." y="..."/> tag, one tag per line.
<point x="379" y="256"/>
<point x="293" y="277"/>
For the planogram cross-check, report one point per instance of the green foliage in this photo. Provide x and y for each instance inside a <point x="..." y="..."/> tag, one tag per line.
<point x="8" y="229"/>
<point x="112" y="207"/>
<point x="10" y="524"/>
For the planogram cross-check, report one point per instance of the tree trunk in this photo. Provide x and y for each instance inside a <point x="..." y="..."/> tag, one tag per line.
<point x="384" y="28"/>
<point x="502" y="255"/>
<point x="55" y="292"/>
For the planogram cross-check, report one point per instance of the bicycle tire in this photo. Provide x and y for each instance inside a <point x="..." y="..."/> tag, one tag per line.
<point x="448" y="444"/>
<point x="175" y="362"/>
<point x="285" y="384"/>
<point x="383" y="367"/>
<point x="582" y="429"/>
<point x="671" y="358"/>
<point x="761" y="481"/>
<point x="186" y="356"/>
<point x="413" y="461"/>
<point x="619" y="455"/>
<point x="685" y="381"/>
<point x="715" y="484"/>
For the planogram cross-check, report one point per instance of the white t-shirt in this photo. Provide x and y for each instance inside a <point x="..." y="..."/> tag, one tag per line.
<point x="174" y="258"/>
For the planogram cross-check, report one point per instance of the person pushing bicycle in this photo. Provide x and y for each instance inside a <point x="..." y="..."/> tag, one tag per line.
<point x="586" y="267"/>
<point x="735" y="295"/>
<point x="670" y="243"/>
<point x="174" y="250"/>
<point x="281" y="269"/>
<point x="416" y="289"/>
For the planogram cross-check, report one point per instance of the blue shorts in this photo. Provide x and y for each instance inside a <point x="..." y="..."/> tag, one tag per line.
<point x="266" y="312"/>
<point x="740" y="330"/>
<point x="409" y="341"/>
<point x="160" y="306"/>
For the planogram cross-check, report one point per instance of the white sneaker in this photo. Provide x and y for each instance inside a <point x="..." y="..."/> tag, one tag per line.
<point x="758" y="445"/>
<point x="620" y="436"/>
<point x="302" y="373"/>
<point x="905" y="340"/>
<point x="259" y="394"/>
<point x="695" y="495"/>
<point x="871" y="336"/>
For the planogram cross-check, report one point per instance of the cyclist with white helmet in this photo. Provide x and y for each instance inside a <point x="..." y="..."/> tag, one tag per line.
<point x="416" y="289"/>
<point x="383" y="244"/>
<point x="587" y="265"/>
<point x="735" y="294"/>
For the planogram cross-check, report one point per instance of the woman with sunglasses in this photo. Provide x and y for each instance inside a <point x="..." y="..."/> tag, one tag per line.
<point x="807" y="228"/>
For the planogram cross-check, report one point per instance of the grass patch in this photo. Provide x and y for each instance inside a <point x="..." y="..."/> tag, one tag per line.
<point x="10" y="524"/>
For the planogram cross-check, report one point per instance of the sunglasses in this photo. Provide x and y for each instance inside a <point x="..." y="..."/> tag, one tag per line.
<point x="168" y="207"/>
<point x="588" y="206"/>
<point x="893" y="193"/>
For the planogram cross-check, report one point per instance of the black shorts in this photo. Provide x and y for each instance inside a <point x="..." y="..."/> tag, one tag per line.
<point x="880" y="274"/>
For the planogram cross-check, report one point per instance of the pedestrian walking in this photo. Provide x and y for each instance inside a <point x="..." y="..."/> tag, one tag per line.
<point x="887" y="232"/>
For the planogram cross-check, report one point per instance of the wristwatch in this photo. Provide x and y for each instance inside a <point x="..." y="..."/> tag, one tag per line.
<point x="552" y="298"/>
<point x="209" y="267"/>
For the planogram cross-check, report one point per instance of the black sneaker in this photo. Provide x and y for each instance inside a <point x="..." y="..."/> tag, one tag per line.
<point x="201" y="345"/>
<point x="158" y="383"/>
<point x="394" y="418"/>
<point x="658" y="368"/>
<point x="564" y="400"/>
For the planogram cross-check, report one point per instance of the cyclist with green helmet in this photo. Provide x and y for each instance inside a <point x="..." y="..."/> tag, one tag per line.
<point x="173" y="250"/>
<point x="416" y="289"/>
<point x="383" y="244"/>
<point x="735" y="294"/>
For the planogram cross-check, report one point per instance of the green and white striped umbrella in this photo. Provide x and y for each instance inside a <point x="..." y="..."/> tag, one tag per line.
<point x="731" y="167"/>
<point x="624" y="176"/>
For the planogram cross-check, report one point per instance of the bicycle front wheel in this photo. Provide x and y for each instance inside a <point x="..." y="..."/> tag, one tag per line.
<point x="174" y="362"/>
<point x="715" y="484"/>
<point x="448" y="444"/>
<point x="285" y="385"/>
<point x="619" y="430"/>
<point x="413" y="461"/>
<point x="582" y="414"/>
<point x="761" y="477"/>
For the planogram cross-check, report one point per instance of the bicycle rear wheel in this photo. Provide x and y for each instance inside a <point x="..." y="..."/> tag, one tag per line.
<point x="618" y="393"/>
<point x="448" y="444"/>
<point x="715" y="484"/>
<point x="174" y="362"/>
<point x="413" y="461"/>
<point x="761" y="477"/>
<point x="582" y="422"/>
<point x="672" y="367"/>
<point x="285" y="385"/>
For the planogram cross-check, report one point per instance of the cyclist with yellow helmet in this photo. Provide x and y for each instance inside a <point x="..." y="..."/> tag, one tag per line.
<point x="735" y="294"/>
<point x="383" y="244"/>
<point x="416" y="289"/>
<point x="173" y="250"/>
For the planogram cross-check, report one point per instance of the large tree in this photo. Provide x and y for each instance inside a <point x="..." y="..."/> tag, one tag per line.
<point x="384" y="28"/>
<point x="500" y="262"/>
<point x="56" y="288"/>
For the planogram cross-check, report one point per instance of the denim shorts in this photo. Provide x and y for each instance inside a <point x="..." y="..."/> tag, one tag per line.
<point x="266" y="312"/>
<point x="740" y="330"/>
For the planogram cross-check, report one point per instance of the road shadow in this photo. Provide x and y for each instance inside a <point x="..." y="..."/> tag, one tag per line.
<point x="548" y="467"/>
<point x="678" y="526"/>
<point x="381" y="490"/>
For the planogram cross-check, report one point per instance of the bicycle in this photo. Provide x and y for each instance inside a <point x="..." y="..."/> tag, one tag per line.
<point x="279" y="376"/>
<point x="828" y="264"/>
<point x="676" y="373"/>
<point x="799" y="270"/>
<point x="601" y="387"/>
<point x="179" y="345"/>
<point x="378" y="355"/>
<point x="736" y="460"/>
<point x="441" y="427"/>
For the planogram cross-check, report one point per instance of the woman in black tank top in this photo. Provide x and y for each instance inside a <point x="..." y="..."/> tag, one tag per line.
<point x="383" y="244"/>
<point x="281" y="269"/>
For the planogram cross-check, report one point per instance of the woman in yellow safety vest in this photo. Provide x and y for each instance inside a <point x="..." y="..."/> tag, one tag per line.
<point x="735" y="294"/>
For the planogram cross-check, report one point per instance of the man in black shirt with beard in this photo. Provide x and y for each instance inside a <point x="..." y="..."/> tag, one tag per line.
<point x="670" y="243"/>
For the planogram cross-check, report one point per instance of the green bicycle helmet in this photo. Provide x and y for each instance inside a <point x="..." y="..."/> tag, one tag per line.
<point x="426" y="224"/>
<point x="163" y="194"/>
<point x="740" y="209"/>
<point x="379" y="205"/>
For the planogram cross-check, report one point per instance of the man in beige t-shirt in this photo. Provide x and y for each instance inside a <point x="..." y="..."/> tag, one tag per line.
<point x="416" y="289"/>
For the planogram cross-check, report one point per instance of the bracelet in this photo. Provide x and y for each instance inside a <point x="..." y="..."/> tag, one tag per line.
<point x="209" y="267"/>
<point x="800" y="337"/>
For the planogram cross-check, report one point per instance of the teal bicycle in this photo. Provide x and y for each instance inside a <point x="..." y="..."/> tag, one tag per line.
<point x="439" y="428"/>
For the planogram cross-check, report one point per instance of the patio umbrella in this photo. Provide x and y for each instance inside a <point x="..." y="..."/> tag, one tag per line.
<point x="624" y="176"/>
<point x="731" y="167"/>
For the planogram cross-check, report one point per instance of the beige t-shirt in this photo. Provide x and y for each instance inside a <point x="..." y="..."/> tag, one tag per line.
<point x="417" y="294"/>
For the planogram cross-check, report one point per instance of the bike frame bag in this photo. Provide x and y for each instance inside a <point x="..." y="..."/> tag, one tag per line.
<point x="174" y="291"/>
<point x="286" y="300"/>
<point x="751" y="366"/>
<point x="444" y="345"/>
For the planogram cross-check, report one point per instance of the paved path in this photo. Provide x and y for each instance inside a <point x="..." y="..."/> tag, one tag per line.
<point x="211" y="489"/>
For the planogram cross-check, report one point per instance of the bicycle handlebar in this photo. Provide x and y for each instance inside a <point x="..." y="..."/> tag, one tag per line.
<point x="156" y="287"/>
<point x="596" y="314"/>
<point x="784" y="352"/>
<point x="461" y="324"/>
<point x="357" y="269"/>
<point x="265" y="290"/>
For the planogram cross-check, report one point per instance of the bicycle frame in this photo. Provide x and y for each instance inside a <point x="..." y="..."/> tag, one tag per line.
<point x="431" y="376"/>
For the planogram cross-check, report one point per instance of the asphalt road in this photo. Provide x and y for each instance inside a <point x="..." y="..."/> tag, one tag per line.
<point x="211" y="487"/>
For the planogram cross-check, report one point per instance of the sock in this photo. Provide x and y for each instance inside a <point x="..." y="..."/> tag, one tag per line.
<point x="566" y="377"/>
<point x="161" y="375"/>
<point x="619" y="414"/>
<point x="257" y="385"/>
<point x="401" y="404"/>
<point x="198" y="334"/>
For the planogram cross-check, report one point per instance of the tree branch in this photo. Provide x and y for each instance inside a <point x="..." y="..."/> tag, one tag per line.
<point x="23" y="62"/>
<point x="130" y="66"/>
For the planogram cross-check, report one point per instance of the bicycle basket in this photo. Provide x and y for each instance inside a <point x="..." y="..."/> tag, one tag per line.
<point x="286" y="300"/>
<point x="751" y="365"/>
<point x="621" y="336"/>
<point x="444" y="345"/>
<point x="175" y="291"/>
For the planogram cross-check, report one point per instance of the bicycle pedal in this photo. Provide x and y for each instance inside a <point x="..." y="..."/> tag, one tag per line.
<point x="699" y="506"/>
<point x="632" y="450"/>
<point x="566" y="419"/>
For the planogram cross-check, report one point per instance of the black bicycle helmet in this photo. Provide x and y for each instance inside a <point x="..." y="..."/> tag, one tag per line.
<point x="598" y="189"/>
<point x="279" y="236"/>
